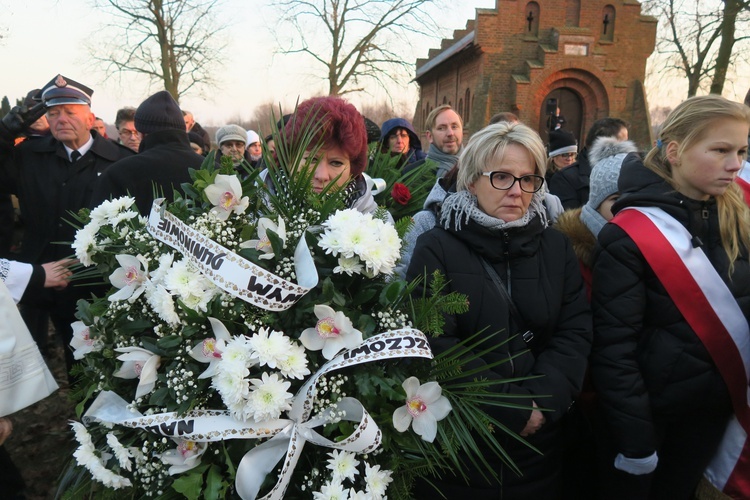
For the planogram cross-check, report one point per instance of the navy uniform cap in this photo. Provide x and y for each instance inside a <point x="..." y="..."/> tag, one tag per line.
<point x="63" y="90"/>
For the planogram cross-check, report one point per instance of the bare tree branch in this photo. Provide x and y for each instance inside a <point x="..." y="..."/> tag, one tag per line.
<point x="175" y="43"/>
<point x="354" y="40"/>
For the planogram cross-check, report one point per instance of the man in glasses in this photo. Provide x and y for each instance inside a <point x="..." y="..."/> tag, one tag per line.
<point x="125" y="124"/>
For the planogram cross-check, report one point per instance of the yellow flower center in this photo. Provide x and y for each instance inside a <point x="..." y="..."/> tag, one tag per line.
<point x="263" y="244"/>
<point x="209" y="348"/>
<point x="131" y="275"/>
<point x="327" y="328"/>
<point x="415" y="406"/>
<point x="227" y="200"/>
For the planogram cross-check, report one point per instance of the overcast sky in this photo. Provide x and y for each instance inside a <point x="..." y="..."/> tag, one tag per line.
<point x="45" y="37"/>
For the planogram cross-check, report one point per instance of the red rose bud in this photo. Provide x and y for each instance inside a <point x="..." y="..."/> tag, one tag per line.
<point x="400" y="193"/>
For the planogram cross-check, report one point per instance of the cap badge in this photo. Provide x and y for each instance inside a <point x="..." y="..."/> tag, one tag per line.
<point x="60" y="81"/>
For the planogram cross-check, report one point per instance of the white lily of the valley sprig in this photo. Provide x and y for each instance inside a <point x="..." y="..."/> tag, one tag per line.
<point x="425" y="405"/>
<point x="226" y="196"/>
<point x="209" y="351"/>
<point x="186" y="456"/>
<point x="333" y="332"/>
<point x="82" y="343"/>
<point x="130" y="278"/>
<point x="263" y="244"/>
<point x="139" y="363"/>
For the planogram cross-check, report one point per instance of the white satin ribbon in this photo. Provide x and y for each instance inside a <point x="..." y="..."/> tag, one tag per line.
<point x="230" y="272"/>
<point x="288" y="436"/>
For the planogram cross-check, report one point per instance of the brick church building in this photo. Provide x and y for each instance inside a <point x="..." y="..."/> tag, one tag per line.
<point x="545" y="61"/>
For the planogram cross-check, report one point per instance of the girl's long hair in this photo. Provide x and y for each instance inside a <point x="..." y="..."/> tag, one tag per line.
<point x="687" y="124"/>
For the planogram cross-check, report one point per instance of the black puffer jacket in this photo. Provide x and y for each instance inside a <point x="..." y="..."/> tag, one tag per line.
<point x="647" y="364"/>
<point x="571" y="184"/>
<point x="547" y="289"/>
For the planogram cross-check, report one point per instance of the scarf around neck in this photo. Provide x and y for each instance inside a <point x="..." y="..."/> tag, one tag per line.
<point x="445" y="160"/>
<point x="462" y="206"/>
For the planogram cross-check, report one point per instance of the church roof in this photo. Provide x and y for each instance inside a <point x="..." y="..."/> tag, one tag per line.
<point x="457" y="47"/>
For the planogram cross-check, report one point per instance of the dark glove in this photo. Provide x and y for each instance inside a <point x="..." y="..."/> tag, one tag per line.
<point x="18" y="119"/>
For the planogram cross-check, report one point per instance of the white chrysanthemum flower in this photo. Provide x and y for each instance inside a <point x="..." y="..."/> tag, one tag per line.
<point x="122" y="216"/>
<point x="186" y="456"/>
<point x="425" y="405"/>
<point x="130" y="277"/>
<point x="192" y="288"/>
<point x="226" y="196"/>
<point x="237" y="351"/>
<point x="295" y="363"/>
<point x="164" y="264"/>
<point x="377" y="481"/>
<point x="122" y="454"/>
<point x="333" y="332"/>
<point x="84" y="244"/>
<point x="86" y="457"/>
<point x="139" y="363"/>
<point x="162" y="303"/>
<point x="82" y="343"/>
<point x="371" y="241"/>
<point x="332" y="490"/>
<point x="350" y="266"/>
<point x="109" y="209"/>
<point x="269" y="347"/>
<point x="233" y="388"/>
<point x="343" y="464"/>
<point x="263" y="243"/>
<point x="359" y="495"/>
<point x="269" y="397"/>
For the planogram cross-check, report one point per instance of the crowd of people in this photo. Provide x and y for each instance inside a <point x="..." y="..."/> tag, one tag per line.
<point x="610" y="286"/>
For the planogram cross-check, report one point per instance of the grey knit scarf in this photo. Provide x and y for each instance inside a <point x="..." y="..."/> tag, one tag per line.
<point x="592" y="219"/>
<point x="444" y="160"/>
<point x="462" y="206"/>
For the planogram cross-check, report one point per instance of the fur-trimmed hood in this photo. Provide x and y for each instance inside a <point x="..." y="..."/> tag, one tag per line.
<point x="605" y="147"/>
<point x="582" y="239"/>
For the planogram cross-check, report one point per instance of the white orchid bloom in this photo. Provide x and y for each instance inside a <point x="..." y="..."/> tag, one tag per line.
<point x="130" y="278"/>
<point x="333" y="332"/>
<point x="226" y="196"/>
<point x="82" y="343"/>
<point x="425" y="406"/>
<point x="186" y="456"/>
<point x="210" y="350"/>
<point x="139" y="363"/>
<point x="263" y="244"/>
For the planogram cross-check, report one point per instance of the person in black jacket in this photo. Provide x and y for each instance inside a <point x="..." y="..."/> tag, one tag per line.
<point x="497" y="219"/>
<point x="663" y="399"/>
<point x="571" y="184"/>
<point x="164" y="157"/>
<point x="52" y="177"/>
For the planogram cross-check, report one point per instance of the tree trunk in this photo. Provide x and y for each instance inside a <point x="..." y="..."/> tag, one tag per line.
<point x="724" y="55"/>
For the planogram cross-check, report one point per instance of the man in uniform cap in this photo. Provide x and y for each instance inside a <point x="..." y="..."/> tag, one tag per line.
<point x="53" y="176"/>
<point x="164" y="160"/>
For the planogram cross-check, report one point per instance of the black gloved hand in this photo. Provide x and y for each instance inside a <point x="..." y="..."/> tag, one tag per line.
<point x="19" y="118"/>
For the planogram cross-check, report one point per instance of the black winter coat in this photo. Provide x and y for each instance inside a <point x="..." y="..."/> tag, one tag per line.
<point x="49" y="186"/>
<point x="648" y="365"/>
<point x="571" y="184"/>
<point x="547" y="288"/>
<point x="161" y="164"/>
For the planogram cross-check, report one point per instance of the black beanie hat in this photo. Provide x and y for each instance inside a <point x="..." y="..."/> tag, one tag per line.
<point x="159" y="112"/>
<point x="561" y="142"/>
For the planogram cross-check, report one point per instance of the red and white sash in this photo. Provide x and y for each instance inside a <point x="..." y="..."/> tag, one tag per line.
<point x="713" y="313"/>
<point x="743" y="179"/>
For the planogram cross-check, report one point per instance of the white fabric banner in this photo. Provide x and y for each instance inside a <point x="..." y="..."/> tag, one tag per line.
<point x="230" y="272"/>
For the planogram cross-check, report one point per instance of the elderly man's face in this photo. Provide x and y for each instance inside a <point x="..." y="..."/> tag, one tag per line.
<point x="233" y="149"/>
<point x="189" y="121"/>
<point x="71" y="124"/>
<point x="100" y="128"/>
<point x="129" y="136"/>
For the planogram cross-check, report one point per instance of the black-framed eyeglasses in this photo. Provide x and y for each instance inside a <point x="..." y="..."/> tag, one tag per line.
<point x="504" y="181"/>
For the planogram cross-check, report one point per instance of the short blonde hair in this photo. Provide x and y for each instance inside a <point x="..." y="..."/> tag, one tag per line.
<point x="490" y="143"/>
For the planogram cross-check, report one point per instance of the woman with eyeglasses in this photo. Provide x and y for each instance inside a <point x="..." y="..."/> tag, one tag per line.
<point x="563" y="151"/>
<point x="526" y="298"/>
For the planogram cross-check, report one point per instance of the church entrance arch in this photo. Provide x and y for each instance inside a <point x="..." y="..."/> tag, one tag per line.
<point x="562" y="107"/>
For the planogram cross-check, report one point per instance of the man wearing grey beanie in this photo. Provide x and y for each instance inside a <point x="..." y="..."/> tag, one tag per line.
<point x="163" y="162"/>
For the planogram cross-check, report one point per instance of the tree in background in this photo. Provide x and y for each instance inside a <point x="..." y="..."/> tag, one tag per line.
<point x="356" y="40"/>
<point x="4" y="106"/>
<point x="699" y="39"/>
<point x="175" y="43"/>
